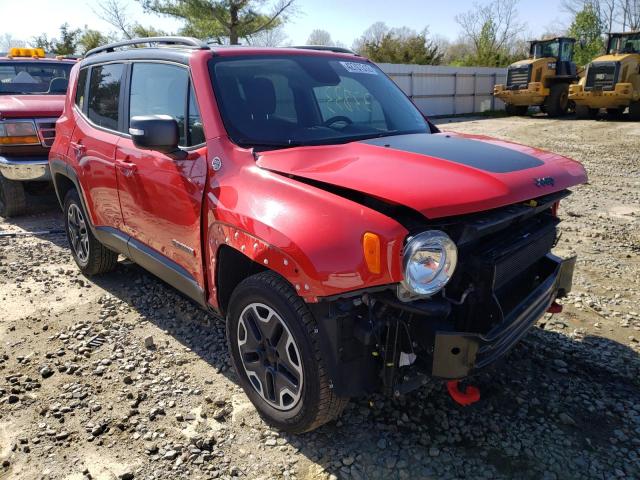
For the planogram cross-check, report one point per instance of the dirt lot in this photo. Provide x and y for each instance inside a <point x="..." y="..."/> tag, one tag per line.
<point x="84" y="394"/>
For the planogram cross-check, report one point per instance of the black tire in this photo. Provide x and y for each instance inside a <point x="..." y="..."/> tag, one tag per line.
<point x="615" y="113"/>
<point x="583" y="111"/>
<point x="516" y="110"/>
<point x="13" y="199"/>
<point x="90" y="255"/>
<point x="316" y="402"/>
<point x="634" y="111"/>
<point x="557" y="103"/>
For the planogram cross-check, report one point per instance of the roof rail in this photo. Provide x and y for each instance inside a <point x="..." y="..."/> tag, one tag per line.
<point x="180" y="41"/>
<point x="326" y="48"/>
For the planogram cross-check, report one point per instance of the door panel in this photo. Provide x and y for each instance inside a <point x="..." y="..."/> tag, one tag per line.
<point x="161" y="200"/>
<point x="161" y="197"/>
<point x="93" y="153"/>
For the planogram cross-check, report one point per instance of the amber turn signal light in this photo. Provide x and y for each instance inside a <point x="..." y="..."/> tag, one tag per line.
<point x="371" y="248"/>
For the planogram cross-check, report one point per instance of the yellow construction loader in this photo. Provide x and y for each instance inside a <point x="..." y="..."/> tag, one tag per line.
<point x="612" y="81"/>
<point x="542" y="80"/>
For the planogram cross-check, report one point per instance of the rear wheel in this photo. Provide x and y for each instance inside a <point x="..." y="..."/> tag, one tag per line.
<point x="270" y="333"/>
<point x="89" y="254"/>
<point x="517" y="110"/>
<point x="13" y="200"/>
<point x="615" y="113"/>
<point x="583" y="111"/>
<point x="557" y="103"/>
<point x="634" y="111"/>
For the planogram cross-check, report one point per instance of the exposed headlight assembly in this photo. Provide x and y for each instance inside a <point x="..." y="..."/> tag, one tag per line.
<point x="429" y="260"/>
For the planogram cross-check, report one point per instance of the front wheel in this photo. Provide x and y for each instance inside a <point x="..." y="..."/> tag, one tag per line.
<point x="89" y="254"/>
<point x="583" y="111"/>
<point x="517" y="110"/>
<point x="557" y="103"/>
<point x="634" y="111"/>
<point x="13" y="200"/>
<point x="274" y="350"/>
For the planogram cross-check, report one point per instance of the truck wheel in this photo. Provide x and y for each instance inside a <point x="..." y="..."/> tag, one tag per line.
<point x="517" y="110"/>
<point x="583" y="111"/>
<point x="557" y="103"/>
<point x="634" y="111"/>
<point x="13" y="200"/>
<point x="270" y="333"/>
<point x="89" y="254"/>
<point x="615" y="113"/>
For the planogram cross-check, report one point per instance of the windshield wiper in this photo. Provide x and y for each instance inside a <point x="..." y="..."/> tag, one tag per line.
<point x="243" y="142"/>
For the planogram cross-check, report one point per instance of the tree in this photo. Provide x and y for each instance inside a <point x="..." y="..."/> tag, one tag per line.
<point x="222" y="20"/>
<point x="398" y="45"/>
<point x="630" y="15"/>
<point x="492" y="30"/>
<point x="90" y="39"/>
<point x="114" y="12"/>
<point x="67" y="44"/>
<point x="274" y="37"/>
<point x="320" y="37"/>
<point x="7" y="42"/>
<point x="587" y="29"/>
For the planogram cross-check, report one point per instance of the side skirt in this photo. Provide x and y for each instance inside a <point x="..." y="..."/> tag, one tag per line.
<point x="159" y="265"/>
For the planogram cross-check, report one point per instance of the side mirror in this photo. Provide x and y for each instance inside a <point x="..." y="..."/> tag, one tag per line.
<point x="156" y="132"/>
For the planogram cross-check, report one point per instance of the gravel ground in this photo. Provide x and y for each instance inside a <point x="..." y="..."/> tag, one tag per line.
<point x="120" y="377"/>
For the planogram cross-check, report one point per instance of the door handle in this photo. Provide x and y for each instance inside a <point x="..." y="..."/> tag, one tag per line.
<point x="78" y="149"/>
<point x="127" y="168"/>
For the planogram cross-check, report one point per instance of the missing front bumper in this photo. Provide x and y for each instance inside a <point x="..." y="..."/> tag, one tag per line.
<point x="459" y="354"/>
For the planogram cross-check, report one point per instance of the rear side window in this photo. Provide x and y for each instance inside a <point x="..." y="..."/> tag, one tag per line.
<point x="81" y="88"/>
<point x="160" y="89"/>
<point x="104" y="95"/>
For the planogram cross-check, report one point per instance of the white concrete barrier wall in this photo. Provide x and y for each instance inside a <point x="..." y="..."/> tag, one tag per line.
<point x="440" y="90"/>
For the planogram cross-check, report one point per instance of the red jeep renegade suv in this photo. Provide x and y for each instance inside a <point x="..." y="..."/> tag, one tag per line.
<point x="350" y="245"/>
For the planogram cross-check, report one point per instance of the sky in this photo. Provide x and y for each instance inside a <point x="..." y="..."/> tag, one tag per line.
<point x="345" y="20"/>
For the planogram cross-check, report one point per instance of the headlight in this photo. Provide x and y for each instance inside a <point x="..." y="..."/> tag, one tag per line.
<point x="18" y="133"/>
<point x="429" y="260"/>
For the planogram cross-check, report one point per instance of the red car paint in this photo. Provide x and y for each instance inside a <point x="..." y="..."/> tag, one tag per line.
<point x="309" y="236"/>
<point x="31" y="106"/>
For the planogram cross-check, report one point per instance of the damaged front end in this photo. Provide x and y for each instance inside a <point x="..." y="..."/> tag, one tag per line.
<point x="506" y="278"/>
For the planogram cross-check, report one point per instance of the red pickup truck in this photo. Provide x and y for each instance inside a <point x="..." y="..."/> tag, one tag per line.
<point x="350" y="245"/>
<point x="32" y="89"/>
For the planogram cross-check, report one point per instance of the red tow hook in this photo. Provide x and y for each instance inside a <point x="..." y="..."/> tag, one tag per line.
<point x="555" y="307"/>
<point x="470" y="396"/>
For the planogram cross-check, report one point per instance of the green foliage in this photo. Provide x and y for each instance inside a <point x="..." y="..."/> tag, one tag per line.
<point x="586" y="28"/>
<point x="221" y="20"/>
<point x="68" y="41"/>
<point x="65" y="45"/>
<point x="401" y="46"/>
<point x="90" y="39"/>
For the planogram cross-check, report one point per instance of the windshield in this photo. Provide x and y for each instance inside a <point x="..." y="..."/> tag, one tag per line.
<point x="625" y="44"/>
<point x="278" y="101"/>
<point x="545" y="49"/>
<point x="36" y="77"/>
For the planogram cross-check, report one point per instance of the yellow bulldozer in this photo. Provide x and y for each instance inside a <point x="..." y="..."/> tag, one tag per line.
<point x="541" y="80"/>
<point x="612" y="81"/>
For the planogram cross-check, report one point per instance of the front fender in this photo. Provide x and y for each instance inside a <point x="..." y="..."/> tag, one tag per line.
<point x="311" y="237"/>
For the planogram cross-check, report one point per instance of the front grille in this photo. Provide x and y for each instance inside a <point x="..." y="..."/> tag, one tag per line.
<point x="518" y="77"/>
<point x="46" y="130"/>
<point x="602" y="76"/>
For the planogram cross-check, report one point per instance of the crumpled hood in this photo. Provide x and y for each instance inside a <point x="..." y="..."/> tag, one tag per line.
<point x="31" y="106"/>
<point x="438" y="175"/>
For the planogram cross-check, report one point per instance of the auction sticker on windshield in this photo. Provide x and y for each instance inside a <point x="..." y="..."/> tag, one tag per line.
<point x="356" y="67"/>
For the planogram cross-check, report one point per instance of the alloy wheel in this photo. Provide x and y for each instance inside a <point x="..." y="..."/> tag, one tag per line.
<point x="270" y="356"/>
<point x="78" y="233"/>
